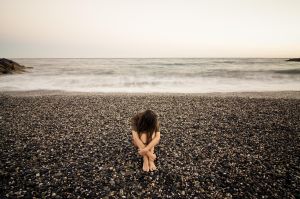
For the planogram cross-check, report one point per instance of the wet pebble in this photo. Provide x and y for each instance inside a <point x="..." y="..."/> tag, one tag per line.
<point x="78" y="146"/>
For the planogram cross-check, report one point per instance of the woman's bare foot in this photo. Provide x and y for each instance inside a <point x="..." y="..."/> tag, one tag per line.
<point x="146" y="164"/>
<point x="152" y="166"/>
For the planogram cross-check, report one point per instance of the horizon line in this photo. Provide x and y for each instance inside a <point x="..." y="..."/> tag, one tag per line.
<point x="151" y="57"/>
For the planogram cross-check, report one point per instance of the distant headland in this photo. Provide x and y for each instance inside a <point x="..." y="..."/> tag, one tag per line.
<point x="294" y="59"/>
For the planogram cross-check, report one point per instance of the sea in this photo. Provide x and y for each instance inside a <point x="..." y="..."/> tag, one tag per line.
<point x="155" y="75"/>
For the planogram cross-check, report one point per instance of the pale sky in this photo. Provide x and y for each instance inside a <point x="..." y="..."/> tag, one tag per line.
<point x="149" y="28"/>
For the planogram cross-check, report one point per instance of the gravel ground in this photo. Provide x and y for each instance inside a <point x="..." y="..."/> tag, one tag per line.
<point x="78" y="146"/>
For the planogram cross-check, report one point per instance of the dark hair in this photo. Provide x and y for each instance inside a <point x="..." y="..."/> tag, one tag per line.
<point x="146" y="122"/>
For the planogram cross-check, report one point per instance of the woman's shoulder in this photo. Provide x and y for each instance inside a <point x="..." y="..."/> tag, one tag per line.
<point x="157" y="128"/>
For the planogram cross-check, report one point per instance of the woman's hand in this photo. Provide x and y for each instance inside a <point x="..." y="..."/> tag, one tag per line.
<point x="151" y="156"/>
<point x="143" y="151"/>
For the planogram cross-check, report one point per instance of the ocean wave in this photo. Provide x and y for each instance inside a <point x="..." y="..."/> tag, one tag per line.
<point x="155" y="75"/>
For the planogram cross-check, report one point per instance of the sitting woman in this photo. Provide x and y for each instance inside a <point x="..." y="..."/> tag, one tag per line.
<point x="146" y="135"/>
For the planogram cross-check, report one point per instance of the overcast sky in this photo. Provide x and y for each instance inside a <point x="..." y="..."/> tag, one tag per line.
<point x="149" y="28"/>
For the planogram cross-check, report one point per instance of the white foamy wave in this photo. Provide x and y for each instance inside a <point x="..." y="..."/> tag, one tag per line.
<point x="155" y="75"/>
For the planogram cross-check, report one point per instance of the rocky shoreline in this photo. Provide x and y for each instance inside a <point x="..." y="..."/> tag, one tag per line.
<point x="8" y="66"/>
<point x="78" y="146"/>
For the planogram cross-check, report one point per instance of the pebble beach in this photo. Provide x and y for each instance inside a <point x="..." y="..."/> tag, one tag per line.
<point x="72" y="145"/>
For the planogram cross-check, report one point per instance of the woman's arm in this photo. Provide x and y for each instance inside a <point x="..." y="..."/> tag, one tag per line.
<point x="137" y="140"/>
<point x="153" y="143"/>
<point x="141" y="146"/>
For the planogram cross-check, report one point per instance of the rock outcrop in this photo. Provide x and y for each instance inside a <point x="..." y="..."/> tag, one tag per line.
<point x="9" y="67"/>
<point x="294" y="59"/>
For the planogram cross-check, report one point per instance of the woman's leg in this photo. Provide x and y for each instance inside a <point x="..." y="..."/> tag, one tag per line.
<point x="145" y="157"/>
<point x="152" y="166"/>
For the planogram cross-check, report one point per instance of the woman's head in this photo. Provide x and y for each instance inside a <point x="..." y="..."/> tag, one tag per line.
<point x="147" y="122"/>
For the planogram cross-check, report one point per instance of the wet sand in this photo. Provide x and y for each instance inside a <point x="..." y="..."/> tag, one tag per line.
<point x="70" y="145"/>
